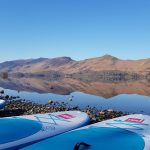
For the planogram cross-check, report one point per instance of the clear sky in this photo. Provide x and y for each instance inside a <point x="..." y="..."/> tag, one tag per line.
<point x="76" y="28"/>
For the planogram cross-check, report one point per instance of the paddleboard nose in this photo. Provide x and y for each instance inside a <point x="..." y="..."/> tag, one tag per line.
<point x="17" y="132"/>
<point x="2" y="103"/>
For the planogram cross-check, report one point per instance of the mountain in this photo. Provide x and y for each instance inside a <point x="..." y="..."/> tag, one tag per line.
<point x="34" y="65"/>
<point x="109" y="63"/>
<point x="106" y="65"/>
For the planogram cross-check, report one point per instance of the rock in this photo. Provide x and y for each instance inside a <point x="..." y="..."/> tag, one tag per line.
<point x="2" y="92"/>
<point x="101" y="113"/>
<point x="50" y="102"/>
<point x="110" y="110"/>
<point x="70" y="99"/>
<point x="26" y="107"/>
<point x="7" y="97"/>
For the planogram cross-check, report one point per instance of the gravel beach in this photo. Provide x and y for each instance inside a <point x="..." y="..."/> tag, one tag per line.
<point x="16" y="106"/>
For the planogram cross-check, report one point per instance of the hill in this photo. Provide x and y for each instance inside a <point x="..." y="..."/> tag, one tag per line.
<point x="106" y="65"/>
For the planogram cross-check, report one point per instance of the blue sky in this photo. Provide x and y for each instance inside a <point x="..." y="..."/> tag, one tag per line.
<point x="76" y="28"/>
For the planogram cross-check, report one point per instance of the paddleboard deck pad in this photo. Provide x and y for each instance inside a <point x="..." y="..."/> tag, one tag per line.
<point x="20" y="131"/>
<point x="131" y="132"/>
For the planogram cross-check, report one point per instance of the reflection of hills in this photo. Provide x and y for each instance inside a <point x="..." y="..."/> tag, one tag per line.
<point x="67" y="86"/>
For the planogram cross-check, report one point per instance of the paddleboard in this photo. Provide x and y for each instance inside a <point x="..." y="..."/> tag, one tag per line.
<point x="131" y="132"/>
<point x="20" y="131"/>
<point x="2" y="104"/>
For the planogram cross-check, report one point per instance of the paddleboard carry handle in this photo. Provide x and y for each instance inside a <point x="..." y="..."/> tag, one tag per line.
<point x="77" y="146"/>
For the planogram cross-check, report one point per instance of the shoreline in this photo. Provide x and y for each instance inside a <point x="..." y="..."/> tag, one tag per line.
<point x="16" y="106"/>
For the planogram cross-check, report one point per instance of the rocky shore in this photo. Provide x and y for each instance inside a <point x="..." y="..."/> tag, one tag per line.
<point x="16" y="106"/>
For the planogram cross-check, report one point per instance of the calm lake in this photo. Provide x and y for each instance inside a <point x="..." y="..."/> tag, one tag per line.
<point x="133" y="97"/>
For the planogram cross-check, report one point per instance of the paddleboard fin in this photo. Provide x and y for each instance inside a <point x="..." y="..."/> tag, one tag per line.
<point x="77" y="146"/>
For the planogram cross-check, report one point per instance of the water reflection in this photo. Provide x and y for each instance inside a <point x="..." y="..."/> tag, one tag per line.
<point x="133" y="97"/>
<point x="67" y="86"/>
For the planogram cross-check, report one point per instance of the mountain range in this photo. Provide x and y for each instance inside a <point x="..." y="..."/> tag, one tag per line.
<point x="106" y="65"/>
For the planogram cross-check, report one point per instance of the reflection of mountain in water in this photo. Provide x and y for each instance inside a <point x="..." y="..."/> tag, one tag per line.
<point x="67" y="86"/>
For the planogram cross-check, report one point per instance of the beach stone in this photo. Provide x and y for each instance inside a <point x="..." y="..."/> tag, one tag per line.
<point x="26" y="107"/>
<point x="50" y="101"/>
<point x="101" y="113"/>
<point x="110" y="110"/>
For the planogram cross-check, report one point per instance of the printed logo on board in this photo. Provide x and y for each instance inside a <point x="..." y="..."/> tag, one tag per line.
<point x="66" y="116"/>
<point x="135" y="120"/>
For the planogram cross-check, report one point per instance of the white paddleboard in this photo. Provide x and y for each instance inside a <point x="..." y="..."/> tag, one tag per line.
<point x="131" y="132"/>
<point x="16" y="132"/>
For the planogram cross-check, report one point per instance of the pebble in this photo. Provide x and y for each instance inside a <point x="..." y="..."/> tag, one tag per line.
<point x="25" y="107"/>
<point x="110" y="110"/>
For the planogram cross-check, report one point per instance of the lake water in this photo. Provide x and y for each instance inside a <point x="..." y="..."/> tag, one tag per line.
<point x="133" y="97"/>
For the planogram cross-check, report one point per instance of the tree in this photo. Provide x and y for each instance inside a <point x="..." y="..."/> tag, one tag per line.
<point x="5" y="75"/>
